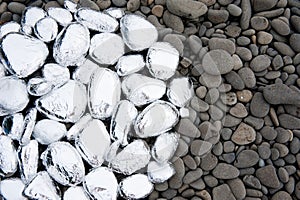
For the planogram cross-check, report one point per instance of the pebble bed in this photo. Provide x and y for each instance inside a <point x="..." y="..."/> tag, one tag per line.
<point x="240" y="139"/>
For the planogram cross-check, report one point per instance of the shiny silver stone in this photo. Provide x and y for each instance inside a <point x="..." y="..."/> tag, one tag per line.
<point x="70" y="5"/>
<point x="71" y="45"/>
<point x="106" y="48"/>
<point x="2" y="70"/>
<point x="56" y="74"/>
<point x="12" y="189"/>
<point x="84" y="72"/>
<point x="159" y="173"/>
<point x="14" y="96"/>
<point x="155" y="119"/>
<point x="63" y="163"/>
<point x="78" y="127"/>
<point x="180" y="91"/>
<point x="13" y="126"/>
<point x="66" y="103"/>
<point x="136" y="186"/>
<point x="101" y="184"/>
<point x="73" y="193"/>
<point x="122" y="121"/>
<point x="165" y="147"/>
<point x="115" y="12"/>
<point x="28" y="157"/>
<point x="61" y="15"/>
<point x="129" y="64"/>
<point x="112" y="151"/>
<point x="141" y="90"/>
<point x="9" y="27"/>
<point x="47" y="131"/>
<point x="27" y="58"/>
<point x="46" y="29"/>
<point x="93" y="142"/>
<point x="38" y="86"/>
<point x="104" y="93"/>
<point x="31" y="15"/>
<point x="162" y="60"/>
<point x="138" y="34"/>
<point x="42" y="187"/>
<point x="96" y="20"/>
<point x="8" y="157"/>
<point x="133" y="157"/>
<point x="29" y="123"/>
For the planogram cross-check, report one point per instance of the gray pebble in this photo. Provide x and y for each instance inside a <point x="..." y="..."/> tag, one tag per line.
<point x="234" y="10"/>
<point x="198" y="184"/>
<point x="283" y="135"/>
<point x="161" y="186"/>
<point x="169" y="193"/>
<point x="248" y="77"/>
<point x="209" y="162"/>
<point x="222" y="192"/>
<point x="268" y="177"/>
<point x="281" y="195"/>
<point x="281" y="26"/>
<point x="119" y="3"/>
<point x="220" y="43"/>
<point x="192" y="176"/>
<point x="263" y="5"/>
<point x="257" y="123"/>
<point x="182" y="148"/>
<point x="225" y="171"/>
<point x="283" y="149"/>
<point x="89" y="4"/>
<point x="3" y="7"/>
<point x="176" y="181"/>
<point x="264" y="37"/>
<point x="295" y="42"/>
<point x="133" y="5"/>
<point x="232" y="30"/>
<point x="246" y="158"/>
<point x="284" y="49"/>
<point x="258" y="106"/>
<point x="264" y="151"/>
<point x="231" y="121"/>
<point x="175" y="41"/>
<point x="239" y="110"/>
<point x="269" y="133"/>
<point x="199" y="105"/>
<point x="259" y="23"/>
<point x="212" y="96"/>
<point x="252" y="181"/>
<point x="279" y="93"/>
<point x="244" y="53"/>
<point x="295" y="145"/>
<point x="195" y="43"/>
<point x="217" y="16"/>
<point x="200" y="147"/>
<point x="238" y="188"/>
<point x="201" y="92"/>
<point x="187" y="8"/>
<point x="190" y="162"/>
<point x="283" y="175"/>
<point x="210" y="81"/>
<point x="187" y="128"/>
<point x="228" y="146"/>
<point x="297" y="190"/>
<point x="244" y="134"/>
<point x="235" y="80"/>
<point x="173" y="21"/>
<point x="295" y="20"/>
<point x="246" y="14"/>
<point x="260" y="63"/>
<point x="210" y="181"/>
<point x="16" y="7"/>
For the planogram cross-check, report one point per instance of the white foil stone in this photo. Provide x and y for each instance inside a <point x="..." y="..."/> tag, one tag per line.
<point x="56" y="74"/>
<point x="47" y="131"/>
<point x="129" y="64"/>
<point x="93" y="142"/>
<point x="162" y="60"/>
<point x="38" y="86"/>
<point x="63" y="163"/>
<point x="142" y="90"/>
<point x="66" y="104"/>
<point x="46" y="29"/>
<point x="180" y="91"/>
<point x="84" y="71"/>
<point x="8" y="157"/>
<point x="133" y="157"/>
<point x="29" y="123"/>
<point x="9" y="27"/>
<point x="101" y="184"/>
<point x="106" y="48"/>
<point x="42" y="187"/>
<point x="70" y="5"/>
<point x="122" y="121"/>
<point x="78" y="127"/>
<point x="155" y="119"/>
<point x="96" y="20"/>
<point x="159" y="173"/>
<point x="71" y="45"/>
<point x="12" y="189"/>
<point x="165" y="147"/>
<point x="61" y="15"/>
<point x="28" y="157"/>
<point x="136" y="186"/>
<point x="75" y="193"/>
<point x="13" y="126"/>
<point x="27" y="58"/>
<point x="138" y="33"/>
<point x="31" y="15"/>
<point x="115" y="12"/>
<point x="104" y="93"/>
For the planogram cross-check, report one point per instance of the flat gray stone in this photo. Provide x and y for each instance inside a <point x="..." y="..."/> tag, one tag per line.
<point x="222" y="192"/>
<point x="279" y="93"/>
<point x="200" y="147"/>
<point x="225" y="171"/>
<point x="289" y="121"/>
<point x="268" y="177"/>
<point x="260" y="63"/>
<point x="259" y="5"/>
<point x="187" y="8"/>
<point x="246" y="158"/>
<point x="258" y="106"/>
<point x="244" y="134"/>
<point x="237" y="188"/>
<point x="259" y="23"/>
<point x="246" y="14"/>
<point x="217" y="16"/>
<point x="295" y="42"/>
<point x="174" y="22"/>
<point x="248" y="76"/>
<point x="186" y="127"/>
<point x="221" y="43"/>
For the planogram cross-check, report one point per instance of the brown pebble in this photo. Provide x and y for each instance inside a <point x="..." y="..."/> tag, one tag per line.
<point x="244" y="96"/>
<point x="158" y="10"/>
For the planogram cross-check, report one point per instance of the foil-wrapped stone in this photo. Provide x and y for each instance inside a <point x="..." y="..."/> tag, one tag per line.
<point x="55" y="74"/>
<point x="12" y="189"/>
<point x="38" y="86"/>
<point x="129" y="64"/>
<point x="93" y="142"/>
<point x="47" y="131"/>
<point x="2" y="70"/>
<point x="8" y="157"/>
<point x="101" y="184"/>
<point x="115" y="12"/>
<point x="28" y="157"/>
<point x="76" y="192"/>
<point x="122" y="121"/>
<point x="180" y="91"/>
<point x="133" y="157"/>
<point x="138" y="33"/>
<point x="84" y="71"/>
<point x="162" y="60"/>
<point x="142" y="90"/>
<point x="66" y="103"/>
<point x="42" y="187"/>
<point x="78" y="127"/>
<point x="106" y="48"/>
<point x="158" y="172"/>
<point x="104" y="93"/>
<point x="46" y="29"/>
<point x="61" y="15"/>
<point x="13" y="126"/>
<point x="27" y="58"/>
<point x="70" y="5"/>
<point x="29" y="123"/>
<point x="14" y="96"/>
<point x="63" y="163"/>
<point x="136" y="186"/>
<point x="9" y="27"/>
<point x="155" y="119"/>
<point x="164" y="147"/>
<point x="71" y="45"/>
<point x="96" y="20"/>
<point x="31" y="15"/>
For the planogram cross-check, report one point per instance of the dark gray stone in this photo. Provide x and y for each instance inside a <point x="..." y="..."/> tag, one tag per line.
<point x="260" y="63"/>
<point x="269" y="133"/>
<point x="187" y="8"/>
<point x="187" y="128"/>
<point x="235" y="80"/>
<point x="258" y="106"/>
<point x="217" y="16"/>
<point x="268" y="177"/>
<point x="246" y="158"/>
<point x="225" y="171"/>
<point x="222" y="192"/>
<point x="279" y="93"/>
<point x="173" y="21"/>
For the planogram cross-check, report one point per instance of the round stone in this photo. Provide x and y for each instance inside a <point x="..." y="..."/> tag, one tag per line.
<point x="217" y="62"/>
